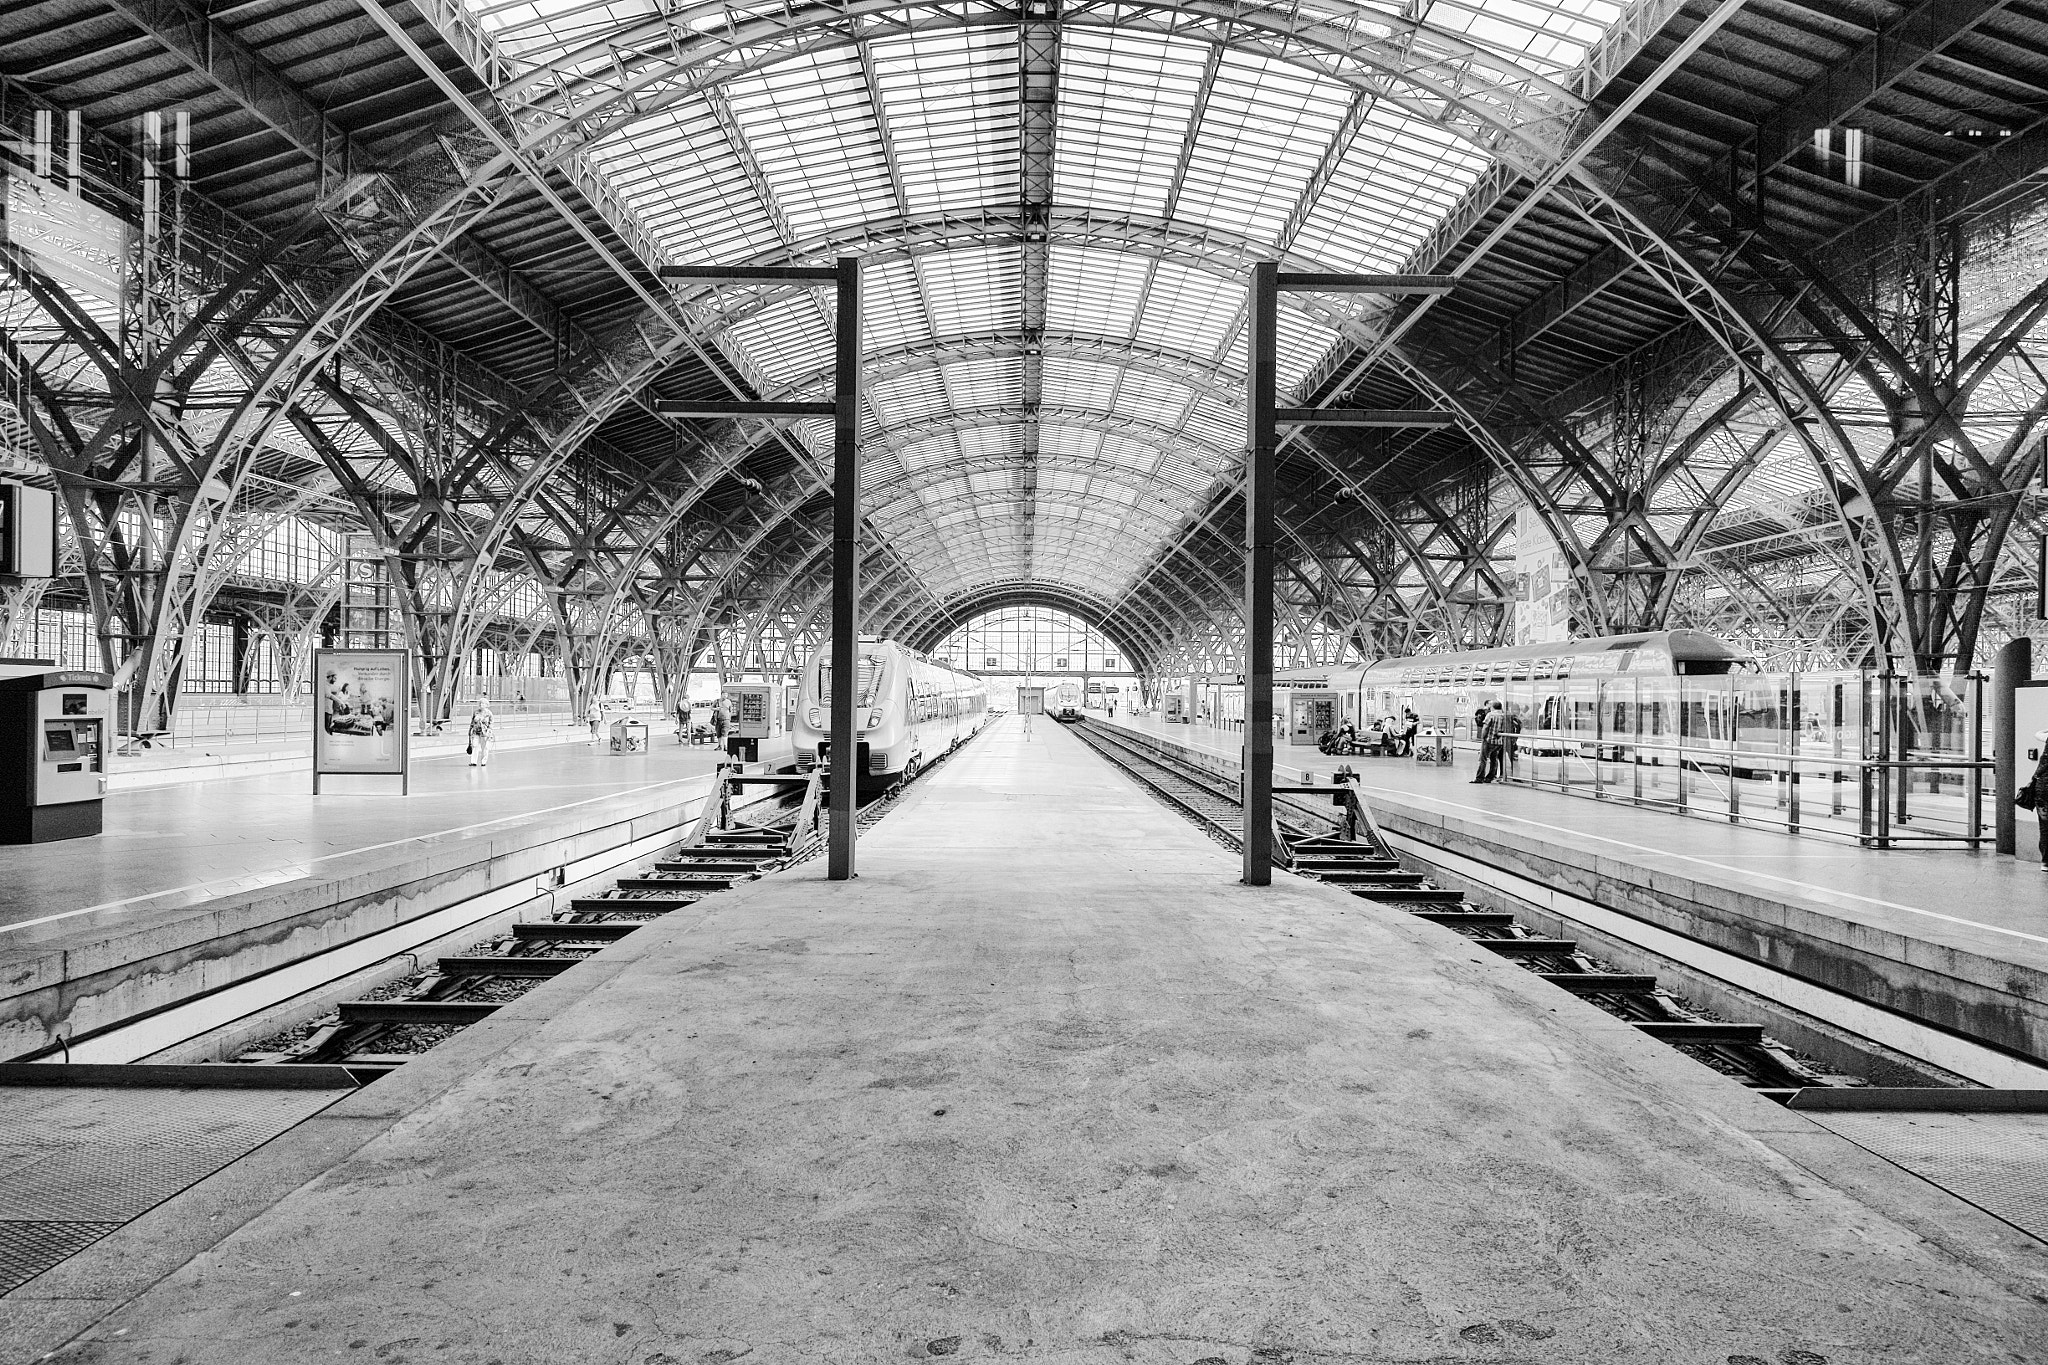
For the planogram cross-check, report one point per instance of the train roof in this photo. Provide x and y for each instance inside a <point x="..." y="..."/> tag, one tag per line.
<point x="1679" y="646"/>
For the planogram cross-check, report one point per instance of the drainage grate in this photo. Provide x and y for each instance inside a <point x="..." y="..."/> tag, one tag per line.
<point x="76" y="1162"/>
<point x="1999" y="1162"/>
<point x="28" y="1249"/>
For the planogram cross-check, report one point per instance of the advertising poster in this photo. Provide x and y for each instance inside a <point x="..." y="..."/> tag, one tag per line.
<point x="1543" y="599"/>
<point x="364" y="699"/>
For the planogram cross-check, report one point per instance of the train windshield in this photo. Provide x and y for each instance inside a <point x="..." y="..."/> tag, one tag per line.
<point x="869" y="678"/>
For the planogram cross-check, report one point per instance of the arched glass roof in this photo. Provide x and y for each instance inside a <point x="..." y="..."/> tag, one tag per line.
<point x="1045" y="406"/>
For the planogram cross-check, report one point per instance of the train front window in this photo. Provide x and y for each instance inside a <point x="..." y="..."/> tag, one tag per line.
<point x="869" y="679"/>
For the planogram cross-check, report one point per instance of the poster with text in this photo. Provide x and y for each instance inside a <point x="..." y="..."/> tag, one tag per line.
<point x="363" y="700"/>
<point x="1543" y="599"/>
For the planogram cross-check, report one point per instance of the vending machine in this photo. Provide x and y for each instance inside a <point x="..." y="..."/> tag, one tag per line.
<point x="53" y="755"/>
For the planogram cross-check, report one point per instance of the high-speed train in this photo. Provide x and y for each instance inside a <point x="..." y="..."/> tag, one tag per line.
<point x="1555" y="688"/>
<point x="912" y="709"/>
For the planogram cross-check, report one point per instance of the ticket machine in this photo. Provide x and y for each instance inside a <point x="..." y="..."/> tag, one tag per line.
<point x="53" y="755"/>
<point x="755" y="711"/>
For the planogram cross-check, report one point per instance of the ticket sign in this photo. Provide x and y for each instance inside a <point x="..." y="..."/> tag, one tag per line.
<point x="364" y="700"/>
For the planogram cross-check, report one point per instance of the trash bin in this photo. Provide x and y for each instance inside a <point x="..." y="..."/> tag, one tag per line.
<point x="1434" y="747"/>
<point x="629" y="736"/>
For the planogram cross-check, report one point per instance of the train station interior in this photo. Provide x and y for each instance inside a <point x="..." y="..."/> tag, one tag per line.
<point x="691" y="682"/>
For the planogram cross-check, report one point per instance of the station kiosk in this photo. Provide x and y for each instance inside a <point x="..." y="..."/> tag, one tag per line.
<point x="53" y="755"/>
<point x="757" y="711"/>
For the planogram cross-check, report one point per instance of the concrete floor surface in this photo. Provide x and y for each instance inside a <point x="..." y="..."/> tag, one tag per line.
<point x="1045" y="1084"/>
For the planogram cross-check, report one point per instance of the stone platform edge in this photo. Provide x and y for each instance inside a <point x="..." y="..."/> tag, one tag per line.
<point x="1992" y="1001"/>
<point x="74" y="983"/>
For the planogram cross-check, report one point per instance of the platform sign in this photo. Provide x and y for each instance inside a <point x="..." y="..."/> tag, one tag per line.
<point x="365" y="712"/>
<point x="28" y="531"/>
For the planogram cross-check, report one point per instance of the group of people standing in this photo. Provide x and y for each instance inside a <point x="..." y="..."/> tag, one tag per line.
<point x="1496" y="727"/>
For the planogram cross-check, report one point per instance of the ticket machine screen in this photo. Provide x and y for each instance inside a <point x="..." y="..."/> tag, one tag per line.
<point x="73" y="759"/>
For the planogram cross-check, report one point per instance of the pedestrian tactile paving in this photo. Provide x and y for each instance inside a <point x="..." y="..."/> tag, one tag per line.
<point x="78" y="1162"/>
<point x="1999" y="1162"/>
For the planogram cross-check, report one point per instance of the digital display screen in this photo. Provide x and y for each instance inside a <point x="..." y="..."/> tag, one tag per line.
<point x="74" y="704"/>
<point x="59" y="741"/>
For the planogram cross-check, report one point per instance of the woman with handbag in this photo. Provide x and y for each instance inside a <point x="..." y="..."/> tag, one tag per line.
<point x="481" y="724"/>
<point x="2034" y="797"/>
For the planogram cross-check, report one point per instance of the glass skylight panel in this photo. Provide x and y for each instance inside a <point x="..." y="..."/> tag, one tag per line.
<point x="1191" y="311"/>
<point x="975" y="292"/>
<point x="538" y="30"/>
<point x="1393" y="186"/>
<point x="678" y="175"/>
<point x="1265" y="129"/>
<point x="812" y="131"/>
<point x="986" y="383"/>
<point x="1124" y="104"/>
<point x="911" y="397"/>
<point x="1153" y="397"/>
<point x="1073" y="382"/>
<point x="1093" y="293"/>
<point x="950" y="103"/>
<point x="787" y="341"/>
<point x="891" y="306"/>
<point x="992" y="440"/>
<point x="1548" y="37"/>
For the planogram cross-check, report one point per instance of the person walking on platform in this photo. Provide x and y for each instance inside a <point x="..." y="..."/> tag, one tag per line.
<point x="481" y="726"/>
<point x="2034" y="797"/>
<point x="718" y="725"/>
<point x="593" y="715"/>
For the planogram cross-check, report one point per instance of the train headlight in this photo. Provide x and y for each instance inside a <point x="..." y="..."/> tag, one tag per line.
<point x="813" y="717"/>
<point x="874" y="720"/>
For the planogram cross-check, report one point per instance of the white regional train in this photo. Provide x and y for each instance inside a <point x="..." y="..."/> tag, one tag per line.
<point x="911" y="710"/>
<point x="1563" y="690"/>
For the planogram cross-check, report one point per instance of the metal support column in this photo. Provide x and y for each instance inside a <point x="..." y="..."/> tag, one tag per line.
<point x="844" y="410"/>
<point x="1262" y="327"/>
<point x="2014" y="665"/>
<point x="1263" y="418"/>
<point x="845" y="573"/>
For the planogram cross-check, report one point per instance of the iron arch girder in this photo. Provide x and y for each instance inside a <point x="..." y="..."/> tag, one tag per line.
<point x="1439" y="78"/>
<point x="1756" y="353"/>
<point x="944" y="609"/>
<point x="997" y="597"/>
<point x="556" y="144"/>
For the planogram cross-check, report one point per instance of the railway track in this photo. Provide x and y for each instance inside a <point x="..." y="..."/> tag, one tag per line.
<point x="1348" y="851"/>
<point x="387" y="1027"/>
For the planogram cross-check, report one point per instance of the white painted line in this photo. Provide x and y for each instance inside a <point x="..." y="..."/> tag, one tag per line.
<point x="1985" y="1065"/>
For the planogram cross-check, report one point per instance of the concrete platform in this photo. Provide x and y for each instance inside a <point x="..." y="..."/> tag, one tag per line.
<point x="1046" y="1084"/>
<point x="191" y="889"/>
<point x="1954" y="939"/>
